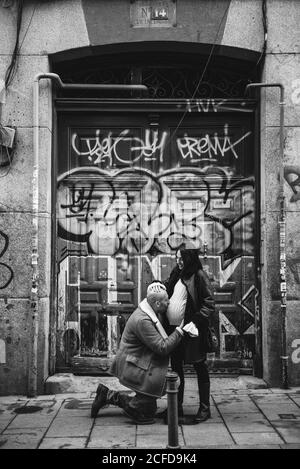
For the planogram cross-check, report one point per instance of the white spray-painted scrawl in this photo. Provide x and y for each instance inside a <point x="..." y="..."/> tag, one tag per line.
<point x="110" y="148"/>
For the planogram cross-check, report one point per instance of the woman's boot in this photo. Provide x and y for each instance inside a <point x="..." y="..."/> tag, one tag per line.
<point x="204" y="409"/>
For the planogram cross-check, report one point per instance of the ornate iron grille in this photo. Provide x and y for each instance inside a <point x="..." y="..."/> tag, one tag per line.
<point x="186" y="83"/>
<point x="168" y="82"/>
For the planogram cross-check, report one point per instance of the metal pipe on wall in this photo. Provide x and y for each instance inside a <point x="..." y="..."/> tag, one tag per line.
<point x="282" y="232"/>
<point x="34" y="295"/>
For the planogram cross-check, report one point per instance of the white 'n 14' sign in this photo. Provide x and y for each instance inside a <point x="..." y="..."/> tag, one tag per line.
<point x="153" y="13"/>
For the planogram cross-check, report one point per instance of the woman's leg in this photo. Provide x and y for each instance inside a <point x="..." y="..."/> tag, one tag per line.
<point x="204" y="391"/>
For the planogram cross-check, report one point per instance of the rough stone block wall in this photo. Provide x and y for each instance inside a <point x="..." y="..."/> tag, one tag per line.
<point x="47" y="27"/>
<point x="281" y="66"/>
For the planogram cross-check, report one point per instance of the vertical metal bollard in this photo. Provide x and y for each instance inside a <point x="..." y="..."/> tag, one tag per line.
<point x="172" y="391"/>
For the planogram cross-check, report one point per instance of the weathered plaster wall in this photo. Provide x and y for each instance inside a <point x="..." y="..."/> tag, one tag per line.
<point x="281" y="65"/>
<point x="62" y="25"/>
<point x="16" y="208"/>
<point x="54" y="26"/>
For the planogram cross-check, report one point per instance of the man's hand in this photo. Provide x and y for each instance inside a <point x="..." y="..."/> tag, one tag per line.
<point x="191" y="329"/>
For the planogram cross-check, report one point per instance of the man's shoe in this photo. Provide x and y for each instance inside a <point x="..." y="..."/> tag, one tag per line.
<point x="202" y="414"/>
<point x="100" y="400"/>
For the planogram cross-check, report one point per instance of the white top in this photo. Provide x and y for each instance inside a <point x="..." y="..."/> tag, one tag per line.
<point x="176" y="308"/>
<point x="144" y="305"/>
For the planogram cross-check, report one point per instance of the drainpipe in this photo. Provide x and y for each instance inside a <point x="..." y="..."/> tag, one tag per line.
<point x="34" y="296"/>
<point x="282" y="234"/>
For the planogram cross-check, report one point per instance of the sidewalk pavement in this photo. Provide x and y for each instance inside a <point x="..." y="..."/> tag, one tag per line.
<point x="241" y="419"/>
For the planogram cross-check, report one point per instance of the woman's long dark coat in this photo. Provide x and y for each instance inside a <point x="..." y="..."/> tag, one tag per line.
<point x="200" y="305"/>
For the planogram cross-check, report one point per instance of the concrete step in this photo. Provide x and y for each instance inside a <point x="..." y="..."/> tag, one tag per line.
<point x="61" y="383"/>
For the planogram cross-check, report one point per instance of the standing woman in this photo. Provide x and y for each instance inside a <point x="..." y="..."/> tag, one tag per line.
<point x="191" y="301"/>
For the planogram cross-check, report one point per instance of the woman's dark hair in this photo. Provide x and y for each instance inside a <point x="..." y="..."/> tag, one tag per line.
<point x="191" y="262"/>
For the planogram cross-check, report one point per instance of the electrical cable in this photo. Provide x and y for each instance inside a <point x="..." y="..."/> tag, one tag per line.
<point x="265" y="26"/>
<point x="28" y="26"/>
<point x="9" y="159"/>
<point x="201" y="78"/>
<point x="10" y="72"/>
<point x="264" y="48"/>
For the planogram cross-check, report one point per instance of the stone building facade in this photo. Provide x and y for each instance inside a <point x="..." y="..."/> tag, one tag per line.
<point x="100" y="186"/>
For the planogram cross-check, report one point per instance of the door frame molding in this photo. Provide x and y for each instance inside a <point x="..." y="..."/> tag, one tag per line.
<point x="79" y="106"/>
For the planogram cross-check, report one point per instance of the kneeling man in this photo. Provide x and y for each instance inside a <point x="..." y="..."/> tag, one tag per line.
<point x="141" y="362"/>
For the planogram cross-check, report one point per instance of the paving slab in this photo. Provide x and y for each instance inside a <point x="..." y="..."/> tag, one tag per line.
<point x="210" y="447"/>
<point x="259" y="438"/>
<point x="21" y="438"/>
<point x="258" y="418"/>
<point x="274" y="398"/>
<point x="247" y="422"/>
<point x="230" y="392"/>
<point x="155" y="436"/>
<point x="283" y="391"/>
<point x="40" y="419"/>
<point x="5" y="421"/>
<point x="111" y="416"/>
<point x="280" y="411"/>
<point x="31" y="421"/>
<point x="74" y="395"/>
<point x="290" y="446"/>
<point x="49" y="406"/>
<point x="227" y="399"/>
<point x="295" y="398"/>
<point x="235" y="404"/>
<point x="46" y="408"/>
<point x="253" y="391"/>
<point x="76" y="426"/>
<point x="75" y="408"/>
<point x="289" y="430"/>
<point x="190" y="399"/>
<point x="122" y="436"/>
<point x="48" y="397"/>
<point x="63" y="443"/>
<point x="12" y="399"/>
<point x="206" y="434"/>
<point x="8" y="408"/>
<point x="237" y="408"/>
<point x="192" y="410"/>
<point x="256" y="447"/>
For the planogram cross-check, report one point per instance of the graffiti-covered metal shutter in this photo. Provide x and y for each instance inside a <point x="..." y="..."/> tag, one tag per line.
<point x="135" y="180"/>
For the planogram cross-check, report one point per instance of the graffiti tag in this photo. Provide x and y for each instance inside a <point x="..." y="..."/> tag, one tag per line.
<point x="296" y="91"/>
<point x="296" y="353"/>
<point x="292" y="177"/>
<point x="110" y="148"/>
<point x="207" y="147"/>
<point x="205" y="105"/>
<point x="6" y="271"/>
<point x="98" y="149"/>
<point x="109" y="218"/>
